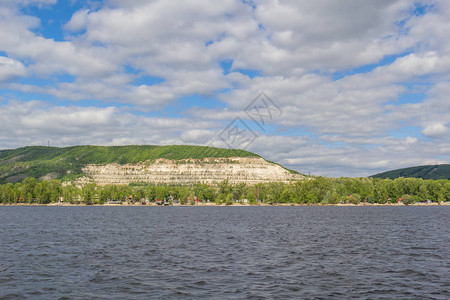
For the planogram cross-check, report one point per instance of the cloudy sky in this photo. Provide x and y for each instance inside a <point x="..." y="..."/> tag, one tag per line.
<point x="334" y="88"/>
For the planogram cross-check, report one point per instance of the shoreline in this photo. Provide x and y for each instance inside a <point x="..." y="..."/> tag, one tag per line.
<point x="233" y="205"/>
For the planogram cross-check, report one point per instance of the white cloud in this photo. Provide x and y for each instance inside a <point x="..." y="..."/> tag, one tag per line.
<point x="436" y="130"/>
<point x="10" y="69"/>
<point x="197" y="136"/>
<point x="316" y="103"/>
<point x="78" y="21"/>
<point x="310" y="155"/>
<point x="301" y="36"/>
<point x="39" y="3"/>
<point x="353" y="126"/>
<point x="34" y="122"/>
<point x="46" y="56"/>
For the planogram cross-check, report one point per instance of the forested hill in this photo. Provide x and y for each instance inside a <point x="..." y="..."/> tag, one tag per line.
<point x="67" y="163"/>
<point x="425" y="172"/>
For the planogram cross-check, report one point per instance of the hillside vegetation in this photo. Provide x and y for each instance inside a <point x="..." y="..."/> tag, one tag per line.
<point x="67" y="163"/>
<point x="424" y="172"/>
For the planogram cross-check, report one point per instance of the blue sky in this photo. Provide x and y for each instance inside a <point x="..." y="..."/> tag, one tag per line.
<point x="332" y="88"/>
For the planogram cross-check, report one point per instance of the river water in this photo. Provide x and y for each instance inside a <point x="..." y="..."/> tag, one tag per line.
<point x="224" y="252"/>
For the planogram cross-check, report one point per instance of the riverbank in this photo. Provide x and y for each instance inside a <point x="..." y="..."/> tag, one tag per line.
<point x="233" y="204"/>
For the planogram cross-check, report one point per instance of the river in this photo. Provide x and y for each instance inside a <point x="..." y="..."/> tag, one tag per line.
<point x="224" y="252"/>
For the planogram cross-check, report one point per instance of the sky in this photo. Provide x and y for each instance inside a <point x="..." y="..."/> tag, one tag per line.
<point x="331" y="88"/>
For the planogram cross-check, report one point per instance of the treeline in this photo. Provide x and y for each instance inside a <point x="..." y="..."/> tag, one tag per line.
<point x="309" y="191"/>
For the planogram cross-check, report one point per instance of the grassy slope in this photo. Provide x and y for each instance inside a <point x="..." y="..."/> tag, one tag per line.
<point x="67" y="162"/>
<point x="425" y="172"/>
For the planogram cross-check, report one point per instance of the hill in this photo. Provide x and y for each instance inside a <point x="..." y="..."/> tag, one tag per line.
<point x="71" y="163"/>
<point x="425" y="172"/>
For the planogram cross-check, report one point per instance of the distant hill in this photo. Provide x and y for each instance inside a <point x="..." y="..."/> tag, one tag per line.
<point x="425" y="172"/>
<point x="67" y="163"/>
<point x="70" y="163"/>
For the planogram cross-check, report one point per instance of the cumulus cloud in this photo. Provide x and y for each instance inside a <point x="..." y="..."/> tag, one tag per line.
<point x="46" y="56"/>
<point x="436" y="130"/>
<point x="339" y="71"/>
<point x="323" y="35"/>
<point x="10" y="69"/>
<point x="316" y="103"/>
<point x="78" y="21"/>
<point x="309" y="155"/>
<point x="34" y="122"/>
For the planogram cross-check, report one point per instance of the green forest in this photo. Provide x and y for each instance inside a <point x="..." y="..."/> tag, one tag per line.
<point x="425" y="172"/>
<point x="317" y="190"/>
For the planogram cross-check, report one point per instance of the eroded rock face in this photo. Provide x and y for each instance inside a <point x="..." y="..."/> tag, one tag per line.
<point x="190" y="171"/>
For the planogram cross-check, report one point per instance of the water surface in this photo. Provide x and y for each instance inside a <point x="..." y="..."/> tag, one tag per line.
<point x="224" y="252"/>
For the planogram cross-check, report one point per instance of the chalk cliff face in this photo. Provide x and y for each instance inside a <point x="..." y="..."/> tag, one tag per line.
<point x="249" y="170"/>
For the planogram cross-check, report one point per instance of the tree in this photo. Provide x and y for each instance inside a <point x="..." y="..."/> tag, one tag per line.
<point x="55" y="189"/>
<point x="27" y="188"/>
<point x="379" y="191"/>
<point x="88" y="193"/>
<point x="330" y="197"/>
<point x="275" y="191"/>
<point x="446" y="190"/>
<point x="250" y="194"/>
<point x="150" y="193"/>
<point x="229" y="199"/>
<point x="260" y="192"/>
<point x="203" y="192"/>
<point x="436" y="190"/>
<point x="7" y="193"/>
<point x="392" y="190"/>
<point x="407" y="199"/>
<point x="185" y="194"/>
<point x="354" y="198"/>
<point x="42" y="192"/>
<point x="238" y="191"/>
<point x="139" y="193"/>
<point x="162" y="192"/>
<point x="299" y="192"/>
<point x="224" y="188"/>
<point x="105" y="193"/>
<point x="70" y="193"/>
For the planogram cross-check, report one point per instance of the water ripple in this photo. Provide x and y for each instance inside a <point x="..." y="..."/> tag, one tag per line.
<point x="224" y="252"/>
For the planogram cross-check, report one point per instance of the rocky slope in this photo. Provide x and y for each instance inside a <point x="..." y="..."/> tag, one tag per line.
<point x="176" y="164"/>
<point x="249" y="170"/>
